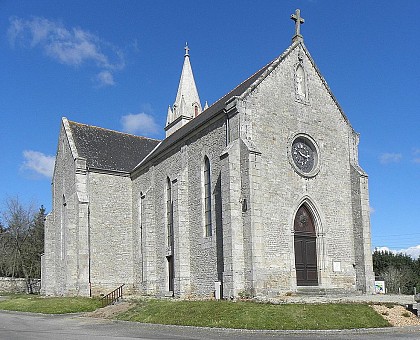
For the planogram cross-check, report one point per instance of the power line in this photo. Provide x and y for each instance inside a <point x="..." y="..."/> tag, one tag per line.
<point x="397" y="235"/>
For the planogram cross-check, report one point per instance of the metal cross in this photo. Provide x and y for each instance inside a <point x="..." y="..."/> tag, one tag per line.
<point x="298" y="21"/>
<point x="187" y="49"/>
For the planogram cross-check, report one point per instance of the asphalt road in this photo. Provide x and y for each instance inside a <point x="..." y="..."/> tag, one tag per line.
<point x="25" y="326"/>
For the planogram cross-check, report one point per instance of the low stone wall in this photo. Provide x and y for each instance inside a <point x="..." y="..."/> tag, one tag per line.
<point x="15" y="285"/>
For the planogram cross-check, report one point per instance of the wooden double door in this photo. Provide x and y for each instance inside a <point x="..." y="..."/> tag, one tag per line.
<point x="305" y="248"/>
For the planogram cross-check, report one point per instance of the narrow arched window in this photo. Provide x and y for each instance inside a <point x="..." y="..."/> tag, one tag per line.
<point x="169" y="212"/>
<point x="63" y="227"/>
<point x="207" y="198"/>
<point x="142" y="234"/>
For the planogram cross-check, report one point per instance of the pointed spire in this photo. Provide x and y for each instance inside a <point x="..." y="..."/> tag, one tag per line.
<point x="187" y="87"/>
<point x="187" y="102"/>
<point x="206" y="106"/>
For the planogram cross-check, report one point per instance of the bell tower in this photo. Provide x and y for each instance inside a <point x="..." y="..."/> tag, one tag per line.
<point x="187" y="102"/>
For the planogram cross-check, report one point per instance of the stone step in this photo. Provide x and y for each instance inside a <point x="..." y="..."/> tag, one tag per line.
<point x="318" y="291"/>
<point x="311" y="291"/>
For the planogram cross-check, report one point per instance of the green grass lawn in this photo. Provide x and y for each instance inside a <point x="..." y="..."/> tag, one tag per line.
<point x="227" y="314"/>
<point x="251" y="315"/>
<point x="48" y="305"/>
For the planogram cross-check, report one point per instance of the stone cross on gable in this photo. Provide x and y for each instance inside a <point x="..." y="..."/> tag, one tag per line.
<point x="298" y="21"/>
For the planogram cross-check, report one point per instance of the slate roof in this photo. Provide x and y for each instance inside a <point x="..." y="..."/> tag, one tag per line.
<point x="110" y="150"/>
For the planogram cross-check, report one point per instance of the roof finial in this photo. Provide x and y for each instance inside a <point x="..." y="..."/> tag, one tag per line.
<point x="298" y="21"/>
<point x="187" y="50"/>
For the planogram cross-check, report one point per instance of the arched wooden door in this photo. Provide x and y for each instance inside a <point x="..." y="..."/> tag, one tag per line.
<point x="305" y="248"/>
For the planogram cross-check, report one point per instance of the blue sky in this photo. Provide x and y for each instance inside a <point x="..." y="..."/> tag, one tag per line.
<point x="116" y="64"/>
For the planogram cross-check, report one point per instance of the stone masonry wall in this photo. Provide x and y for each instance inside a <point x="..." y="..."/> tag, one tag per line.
<point x="195" y="255"/>
<point x="271" y="117"/>
<point x="111" y="235"/>
<point x="18" y="285"/>
<point x="61" y="225"/>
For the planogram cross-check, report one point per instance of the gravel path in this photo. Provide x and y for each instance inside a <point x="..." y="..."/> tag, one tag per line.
<point x="397" y="316"/>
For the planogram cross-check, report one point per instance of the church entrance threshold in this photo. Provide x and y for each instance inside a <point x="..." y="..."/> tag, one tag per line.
<point x="305" y="248"/>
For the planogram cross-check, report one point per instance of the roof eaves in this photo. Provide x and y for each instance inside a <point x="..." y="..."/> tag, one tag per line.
<point x="145" y="159"/>
<point x="111" y="131"/>
<point x="108" y="171"/>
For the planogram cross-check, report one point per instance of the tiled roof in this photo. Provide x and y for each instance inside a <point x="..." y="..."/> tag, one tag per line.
<point x="110" y="150"/>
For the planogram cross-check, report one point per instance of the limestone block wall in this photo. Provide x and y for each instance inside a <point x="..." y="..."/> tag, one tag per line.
<point x="19" y="285"/>
<point x="207" y="262"/>
<point x="196" y="260"/>
<point x="65" y="264"/>
<point x="361" y="229"/>
<point x="61" y="225"/>
<point x="111" y="237"/>
<point x="144" y="233"/>
<point x="271" y="117"/>
<point x="48" y="278"/>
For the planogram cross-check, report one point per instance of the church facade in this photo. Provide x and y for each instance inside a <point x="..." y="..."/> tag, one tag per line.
<point x="258" y="194"/>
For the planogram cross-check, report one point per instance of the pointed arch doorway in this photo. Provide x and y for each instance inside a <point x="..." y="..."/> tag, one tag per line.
<point x="305" y="248"/>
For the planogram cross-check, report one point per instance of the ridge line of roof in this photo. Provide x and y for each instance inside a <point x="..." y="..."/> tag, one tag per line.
<point x="114" y="131"/>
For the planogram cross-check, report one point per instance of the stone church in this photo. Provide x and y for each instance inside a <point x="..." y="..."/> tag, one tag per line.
<point x="260" y="193"/>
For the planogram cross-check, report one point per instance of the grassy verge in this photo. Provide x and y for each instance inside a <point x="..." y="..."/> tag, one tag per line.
<point x="53" y="305"/>
<point x="246" y="315"/>
<point x="249" y="315"/>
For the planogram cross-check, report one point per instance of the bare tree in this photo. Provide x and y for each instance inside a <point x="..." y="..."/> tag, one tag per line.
<point x="21" y="240"/>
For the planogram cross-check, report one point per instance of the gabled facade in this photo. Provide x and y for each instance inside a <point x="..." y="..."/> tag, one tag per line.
<point x="88" y="234"/>
<point x="260" y="194"/>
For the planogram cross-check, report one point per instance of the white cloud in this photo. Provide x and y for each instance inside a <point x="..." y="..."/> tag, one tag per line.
<point x="105" y="78"/>
<point x="38" y="163"/>
<point x="387" y="158"/>
<point x="414" y="251"/>
<point x="140" y="123"/>
<point x="69" y="46"/>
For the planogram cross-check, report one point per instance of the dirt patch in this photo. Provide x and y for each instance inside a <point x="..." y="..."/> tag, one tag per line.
<point x="397" y="315"/>
<point x="111" y="311"/>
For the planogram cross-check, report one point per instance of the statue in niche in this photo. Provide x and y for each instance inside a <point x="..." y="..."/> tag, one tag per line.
<point x="300" y="83"/>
